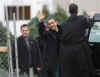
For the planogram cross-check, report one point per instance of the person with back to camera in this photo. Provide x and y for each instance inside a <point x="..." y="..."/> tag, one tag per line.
<point x="75" y="54"/>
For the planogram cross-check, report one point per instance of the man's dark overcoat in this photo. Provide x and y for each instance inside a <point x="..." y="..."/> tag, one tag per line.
<point x="75" y="54"/>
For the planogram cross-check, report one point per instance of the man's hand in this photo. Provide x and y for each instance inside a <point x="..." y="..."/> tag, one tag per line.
<point x="54" y="27"/>
<point x="92" y="14"/>
<point x="41" y="16"/>
<point x="38" y="68"/>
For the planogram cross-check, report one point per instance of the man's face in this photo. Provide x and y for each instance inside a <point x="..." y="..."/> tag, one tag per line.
<point x="52" y="23"/>
<point x="25" y="31"/>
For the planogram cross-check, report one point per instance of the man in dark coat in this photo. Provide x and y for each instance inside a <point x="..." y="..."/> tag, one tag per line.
<point x="48" y="47"/>
<point x="74" y="51"/>
<point x="27" y="52"/>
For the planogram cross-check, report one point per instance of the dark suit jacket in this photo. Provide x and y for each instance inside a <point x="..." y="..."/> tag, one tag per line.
<point x="26" y="57"/>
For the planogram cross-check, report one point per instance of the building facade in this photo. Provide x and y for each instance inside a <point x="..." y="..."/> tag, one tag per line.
<point x="23" y="9"/>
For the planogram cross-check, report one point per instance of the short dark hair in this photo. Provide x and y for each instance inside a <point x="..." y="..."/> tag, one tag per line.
<point x="24" y="25"/>
<point x="73" y="8"/>
<point x="51" y="18"/>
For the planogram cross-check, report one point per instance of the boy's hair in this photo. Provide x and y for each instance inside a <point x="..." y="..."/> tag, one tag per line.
<point x="24" y="25"/>
<point x="73" y="8"/>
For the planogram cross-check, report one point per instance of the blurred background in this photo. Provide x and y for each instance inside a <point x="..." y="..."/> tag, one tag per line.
<point x="26" y="13"/>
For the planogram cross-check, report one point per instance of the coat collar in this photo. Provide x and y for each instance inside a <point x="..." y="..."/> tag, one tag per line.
<point x="72" y="17"/>
<point x="22" y="40"/>
<point x="21" y="37"/>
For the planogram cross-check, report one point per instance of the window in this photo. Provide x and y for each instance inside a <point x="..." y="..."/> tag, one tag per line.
<point x="95" y="30"/>
<point x="95" y="33"/>
<point x="23" y="12"/>
<point x="20" y="13"/>
<point x="11" y="10"/>
<point x="27" y="12"/>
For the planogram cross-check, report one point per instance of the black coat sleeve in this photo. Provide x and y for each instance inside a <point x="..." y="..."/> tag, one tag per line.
<point x="43" y="33"/>
<point x="88" y="21"/>
<point x="37" y="54"/>
<point x="41" y="28"/>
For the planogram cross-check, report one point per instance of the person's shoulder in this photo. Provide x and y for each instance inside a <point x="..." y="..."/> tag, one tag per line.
<point x="19" y="38"/>
<point x="34" y="39"/>
<point x="82" y="17"/>
<point x="31" y="38"/>
<point x="63" y="23"/>
<point x="40" y="23"/>
<point x="59" y="25"/>
<point x="38" y="38"/>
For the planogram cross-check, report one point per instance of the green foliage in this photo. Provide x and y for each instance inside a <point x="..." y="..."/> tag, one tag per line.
<point x="3" y="35"/>
<point x="33" y="26"/>
<point x="3" y="42"/>
<point x="4" y="60"/>
<point x="45" y="11"/>
<point x="60" y="14"/>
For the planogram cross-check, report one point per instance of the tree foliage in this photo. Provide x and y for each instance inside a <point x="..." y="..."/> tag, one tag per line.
<point x="60" y="14"/>
<point x="3" y="42"/>
<point x="3" y="35"/>
<point x="45" y="11"/>
<point x="33" y="26"/>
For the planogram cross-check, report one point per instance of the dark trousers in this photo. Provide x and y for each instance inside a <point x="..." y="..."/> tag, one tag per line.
<point x="67" y="71"/>
<point x="47" y="73"/>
